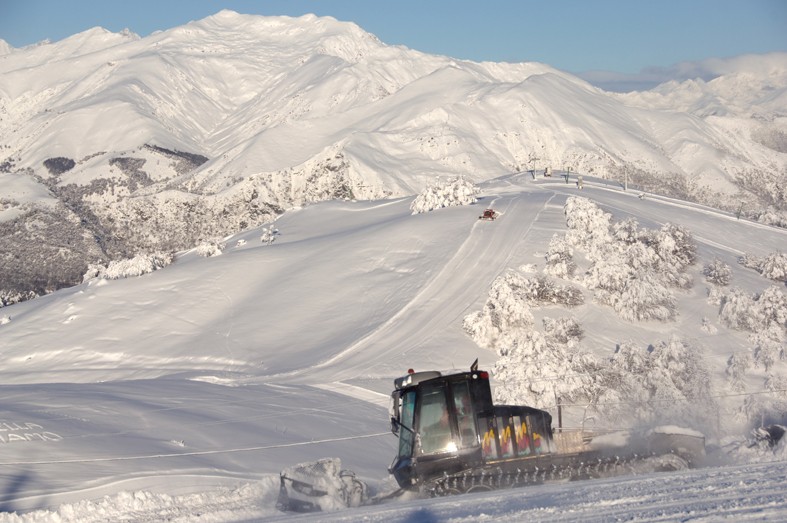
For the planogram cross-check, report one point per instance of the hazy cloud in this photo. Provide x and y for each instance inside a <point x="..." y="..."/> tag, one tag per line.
<point x="706" y="70"/>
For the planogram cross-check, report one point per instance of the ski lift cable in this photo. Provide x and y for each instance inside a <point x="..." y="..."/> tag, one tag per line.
<point x="214" y="422"/>
<point x="195" y="453"/>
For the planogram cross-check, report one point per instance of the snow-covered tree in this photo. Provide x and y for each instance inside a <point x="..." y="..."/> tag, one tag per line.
<point x="589" y="226"/>
<point x="505" y="314"/>
<point x="665" y="383"/>
<point x="11" y="297"/>
<point x="626" y="231"/>
<point x="210" y="248"/>
<point x="772" y="266"/>
<point x="643" y="298"/>
<point x="560" y="258"/>
<point x="754" y="313"/>
<point x="773" y="303"/>
<point x="675" y="245"/>
<point x="506" y="325"/>
<point x="717" y="272"/>
<point x="632" y="269"/>
<point x="128" y="268"/>
<point x="538" y="367"/>
<point x="450" y="193"/>
<point x="738" y="310"/>
<point x="507" y="311"/>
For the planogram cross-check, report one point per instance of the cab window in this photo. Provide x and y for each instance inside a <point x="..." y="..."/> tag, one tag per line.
<point x="434" y="422"/>
<point x="406" y="430"/>
<point x="468" y="435"/>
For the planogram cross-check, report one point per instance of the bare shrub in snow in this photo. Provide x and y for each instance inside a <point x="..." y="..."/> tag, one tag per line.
<point x="137" y="266"/>
<point x="717" y="272"/>
<point x="737" y="365"/>
<point x="209" y="248"/>
<point x="453" y="192"/>
<point x="768" y="348"/>
<point x="59" y="165"/>
<point x="708" y="327"/>
<point x="766" y="409"/>
<point x="269" y="235"/>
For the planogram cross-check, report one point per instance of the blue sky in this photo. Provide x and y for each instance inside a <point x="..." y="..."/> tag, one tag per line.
<point x="622" y="36"/>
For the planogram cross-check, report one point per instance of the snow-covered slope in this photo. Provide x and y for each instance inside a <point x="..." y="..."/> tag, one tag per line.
<point x="179" y="395"/>
<point x="225" y="121"/>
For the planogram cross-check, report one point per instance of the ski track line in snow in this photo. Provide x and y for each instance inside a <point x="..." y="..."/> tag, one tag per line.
<point x="467" y="250"/>
<point x="356" y="392"/>
<point x="377" y="206"/>
<point x="410" y="304"/>
<point x="474" y="259"/>
<point x="701" y="239"/>
<point x="506" y="262"/>
<point x="683" y="204"/>
<point x="468" y="256"/>
<point x="695" y="208"/>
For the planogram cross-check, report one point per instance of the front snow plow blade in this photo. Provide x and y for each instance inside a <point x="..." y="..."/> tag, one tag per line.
<point x="686" y="443"/>
<point x="319" y="486"/>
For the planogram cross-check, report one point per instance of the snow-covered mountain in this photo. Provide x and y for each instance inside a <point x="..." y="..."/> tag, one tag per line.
<point x="113" y="144"/>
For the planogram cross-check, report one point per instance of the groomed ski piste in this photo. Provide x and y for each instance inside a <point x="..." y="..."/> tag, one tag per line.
<point x="179" y="395"/>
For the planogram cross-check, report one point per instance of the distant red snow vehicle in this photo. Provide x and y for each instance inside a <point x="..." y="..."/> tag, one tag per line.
<point x="489" y="214"/>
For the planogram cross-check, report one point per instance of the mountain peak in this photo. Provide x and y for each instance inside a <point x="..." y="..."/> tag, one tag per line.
<point x="5" y="47"/>
<point x="324" y="33"/>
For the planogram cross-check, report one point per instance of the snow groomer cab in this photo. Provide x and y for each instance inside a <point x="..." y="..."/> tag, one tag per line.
<point x="447" y="425"/>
